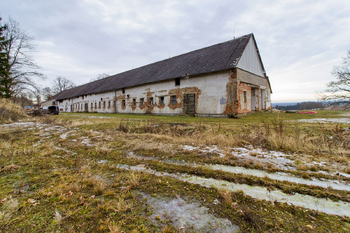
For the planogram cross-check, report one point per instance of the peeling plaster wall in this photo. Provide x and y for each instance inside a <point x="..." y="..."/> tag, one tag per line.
<point x="218" y="93"/>
<point x="209" y="89"/>
<point x="250" y="82"/>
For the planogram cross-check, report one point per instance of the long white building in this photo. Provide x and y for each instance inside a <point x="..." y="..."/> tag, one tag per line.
<point x="220" y="80"/>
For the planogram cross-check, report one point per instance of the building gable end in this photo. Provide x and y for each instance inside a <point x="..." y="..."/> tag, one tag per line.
<point x="250" y="60"/>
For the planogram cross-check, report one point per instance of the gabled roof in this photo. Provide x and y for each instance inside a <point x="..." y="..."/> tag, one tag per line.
<point x="219" y="57"/>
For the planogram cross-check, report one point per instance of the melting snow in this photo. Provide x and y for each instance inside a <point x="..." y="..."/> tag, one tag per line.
<point x="326" y="120"/>
<point x="334" y="184"/>
<point x="319" y="204"/>
<point x="187" y="216"/>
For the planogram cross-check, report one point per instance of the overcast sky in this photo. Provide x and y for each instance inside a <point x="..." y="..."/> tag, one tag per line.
<point x="299" y="41"/>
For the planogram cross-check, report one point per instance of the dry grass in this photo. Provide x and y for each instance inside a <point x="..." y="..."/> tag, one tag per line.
<point x="9" y="168"/>
<point x="10" y="112"/>
<point x="57" y="217"/>
<point x="114" y="228"/>
<point x="8" y="209"/>
<point x="226" y="196"/>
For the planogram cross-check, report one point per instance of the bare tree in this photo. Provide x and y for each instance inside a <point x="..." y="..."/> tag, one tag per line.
<point x="47" y="93"/>
<point x="99" y="76"/>
<point x="21" y="66"/>
<point x="61" y="84"/>
<point x="339" y="90"/>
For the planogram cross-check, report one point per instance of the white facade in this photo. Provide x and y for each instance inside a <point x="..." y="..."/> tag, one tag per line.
<point x="208" y="89"/>
<point x="210" y="92"/>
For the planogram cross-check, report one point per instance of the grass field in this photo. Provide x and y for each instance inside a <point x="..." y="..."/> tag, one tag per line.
<point x="263" y="172"/>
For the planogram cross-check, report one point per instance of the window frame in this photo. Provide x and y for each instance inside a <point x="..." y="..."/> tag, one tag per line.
<point x="245" y="96"/>
<point x="161" y="100"/>
<point x="173" y="99"/>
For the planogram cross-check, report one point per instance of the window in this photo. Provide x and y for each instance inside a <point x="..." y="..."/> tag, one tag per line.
<point x="99" y="104"/>
<point x="142" y="101"/>
<point x="109" y="104"/>
<point x="128" y="96"/>
<point x="123" y="90"/>
<point x="173" y="99"/>
<point x="92" y="106"/>
<point x="82" y="97"/>
<point x="123" y="103"/>
<point x="161" y="100"/>
<point x="134" y="102"/>
<point x="151" y="100"/>
<point x="245" y="96"/>
<point x="104" y="104"/>
<point x="177" y="82"/>
<point x="95" y="105"/>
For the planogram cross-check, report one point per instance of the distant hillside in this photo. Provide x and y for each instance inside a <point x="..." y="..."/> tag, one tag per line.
<point x="299" y="106"/>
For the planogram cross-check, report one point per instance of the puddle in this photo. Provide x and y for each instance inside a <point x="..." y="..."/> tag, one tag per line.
<point x="281" y="176"/>
<point x="186" y="216"/>
<point x="319" y="204"/>
<point x="326" y="120"/>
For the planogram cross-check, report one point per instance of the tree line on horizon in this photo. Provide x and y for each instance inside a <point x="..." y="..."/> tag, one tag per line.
<point x="302" y="106"/>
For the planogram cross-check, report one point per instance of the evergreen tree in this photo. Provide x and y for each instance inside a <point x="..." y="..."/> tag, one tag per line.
<point x="4" y="65"/>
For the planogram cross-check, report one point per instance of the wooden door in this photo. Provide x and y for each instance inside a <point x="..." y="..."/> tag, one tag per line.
<point x="189" y="104"/>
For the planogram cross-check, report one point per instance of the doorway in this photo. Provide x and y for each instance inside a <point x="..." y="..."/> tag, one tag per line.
<point x="189" y="104"/>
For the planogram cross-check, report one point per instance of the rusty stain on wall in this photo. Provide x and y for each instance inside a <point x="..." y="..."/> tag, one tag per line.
<point x="231" y="94"/>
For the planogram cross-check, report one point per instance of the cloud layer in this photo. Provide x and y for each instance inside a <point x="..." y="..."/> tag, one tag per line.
<point x="299" y="41"/>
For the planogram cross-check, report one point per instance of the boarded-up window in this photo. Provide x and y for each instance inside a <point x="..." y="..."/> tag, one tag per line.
<point x="123" y="103"/>
<point x="173" y="99"/>
<point x="134" y="102"/>
<point x="161" y="100"/>
<point x="142" y="101"/>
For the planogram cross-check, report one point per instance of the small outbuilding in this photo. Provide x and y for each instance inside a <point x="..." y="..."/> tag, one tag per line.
<point x="220" y="80"/>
